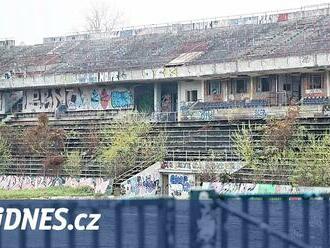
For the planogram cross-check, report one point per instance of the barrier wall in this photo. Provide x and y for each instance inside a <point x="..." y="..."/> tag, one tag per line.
<point x="99" y="185"/>
<point x="82" y="98"/>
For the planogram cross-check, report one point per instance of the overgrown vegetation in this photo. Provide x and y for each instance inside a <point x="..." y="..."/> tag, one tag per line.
<point x="72" y="166"/>
<point x="284" y="149"/>
<point x="47" y="142"/>
<point x="129" y="142"/>
<point x="211" y="172"/>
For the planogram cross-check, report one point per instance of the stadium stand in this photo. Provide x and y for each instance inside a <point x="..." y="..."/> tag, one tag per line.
<point x="306" y="34"/>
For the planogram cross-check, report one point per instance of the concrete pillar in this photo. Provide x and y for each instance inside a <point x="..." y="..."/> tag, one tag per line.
<point x="157" y="97"/>
<point x="202" y="97"/>
<point x="3" y="102"/>
<point x="327" y="82"/>
<point x="225" y="89"/>
<point x="253" y="82"/>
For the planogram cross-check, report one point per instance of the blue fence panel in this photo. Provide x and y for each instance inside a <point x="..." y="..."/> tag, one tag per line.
<point x="206" y="220"/>
<point x="259" y="220"/>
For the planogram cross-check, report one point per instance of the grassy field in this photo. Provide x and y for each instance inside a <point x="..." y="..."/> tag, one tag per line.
<point x="46" y="193"/>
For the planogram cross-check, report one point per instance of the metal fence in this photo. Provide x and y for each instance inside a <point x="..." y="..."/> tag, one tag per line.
<point x="214" y="212"/>
<point x="206" y="220"/>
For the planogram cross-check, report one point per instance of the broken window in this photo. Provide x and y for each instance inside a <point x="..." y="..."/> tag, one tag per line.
<point x="241" y="85"/>
<point x="191" y="96"/>
<point x="213" y="87"/>
<point x="263" y="84"/>
<point x="315" y="81"/>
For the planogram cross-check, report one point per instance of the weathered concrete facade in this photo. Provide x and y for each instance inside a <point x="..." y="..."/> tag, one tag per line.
<point x="226" y="64"/>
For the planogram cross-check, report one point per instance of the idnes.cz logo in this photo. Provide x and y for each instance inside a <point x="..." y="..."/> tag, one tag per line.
<point x="46" y="219"/>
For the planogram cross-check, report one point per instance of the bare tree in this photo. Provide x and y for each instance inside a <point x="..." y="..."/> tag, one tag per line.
<point x="103" y="17"/>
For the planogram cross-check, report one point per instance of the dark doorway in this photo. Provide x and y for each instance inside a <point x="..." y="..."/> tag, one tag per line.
<point x="144" y="98"/>
<point x="296" y="88"/>
<point x="169" y="96"/>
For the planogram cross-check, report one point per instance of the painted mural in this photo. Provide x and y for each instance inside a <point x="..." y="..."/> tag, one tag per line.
<point x="87" y="98"/>
<point x="144" y="184"/>
<point x="99" y="185"/>
<point x="180" y="185"/>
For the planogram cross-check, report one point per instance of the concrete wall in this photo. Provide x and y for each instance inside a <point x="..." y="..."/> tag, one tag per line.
<point x="144" y="184"/>
<point x="99" y="185"/>
<point x="82" y="98"/>
<point x="253" y="188"/>
<point x="192" y="71"/>
<point x="183" y="87"/>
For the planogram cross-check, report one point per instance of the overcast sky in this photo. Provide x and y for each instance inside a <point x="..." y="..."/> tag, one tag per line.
<point x="29" y="21"/>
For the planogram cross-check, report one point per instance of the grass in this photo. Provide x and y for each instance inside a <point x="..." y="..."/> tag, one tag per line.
<point x="46" y="193"/>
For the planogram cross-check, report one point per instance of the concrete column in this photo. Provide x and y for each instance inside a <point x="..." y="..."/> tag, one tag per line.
<point x="202" y="83"/>
<point x="225" y="89"/>
<point x="253" y="82"/>
<point x="327" y="82"/>
<point x="3" y="102"/>
<point x="157" y="97"/>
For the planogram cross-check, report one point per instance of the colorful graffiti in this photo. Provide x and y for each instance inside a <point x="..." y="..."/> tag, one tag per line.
<point x="99" y="185"/>
<point x="95" y="99"/>
<point x="46" y="100"/>
<point x="180" y="185"/>
<point x="105" y="97"/>
<point x="121" y="99"/>
<point x="250" y="188"/>
<point x="146" y="183"/>
<point x="74" y="99"/>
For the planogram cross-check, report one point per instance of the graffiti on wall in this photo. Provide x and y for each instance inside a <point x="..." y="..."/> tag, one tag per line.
<point x="176" y="165"/>
<point x="98" y="98"/>
<point x="251" y="188"/>
<point x="75" y="99"/>
<point x="145" y="183"/>
<point x="260" y="113"/>
<point x="180" y="185"/>
<point x="99" y="185"/>
<point x="121" y="99"/>
<point x="166" y="104"/>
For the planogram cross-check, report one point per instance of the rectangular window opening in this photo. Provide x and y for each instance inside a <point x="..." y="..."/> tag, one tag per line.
<point x="191" y="96"/>
<point x="213" y="87"/>
<point x="241" y="86"/>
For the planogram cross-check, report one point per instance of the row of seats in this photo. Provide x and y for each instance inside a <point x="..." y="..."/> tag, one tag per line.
<point x="152" y="50"/>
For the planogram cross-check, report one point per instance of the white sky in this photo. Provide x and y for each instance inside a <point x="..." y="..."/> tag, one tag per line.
<point x="29" y="21"/>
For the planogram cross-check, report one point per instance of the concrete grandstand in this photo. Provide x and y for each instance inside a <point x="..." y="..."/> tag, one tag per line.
<point x="198" y="81"/>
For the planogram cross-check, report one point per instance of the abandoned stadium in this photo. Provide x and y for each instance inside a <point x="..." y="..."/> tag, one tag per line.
<point x="199" y="82"/>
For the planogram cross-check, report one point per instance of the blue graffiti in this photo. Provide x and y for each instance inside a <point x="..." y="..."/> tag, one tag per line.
<point x="95" y="99"/>
<point x="121" y="99"/>
<point x="183" y="180"/>
<point x="260" y="113"/>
